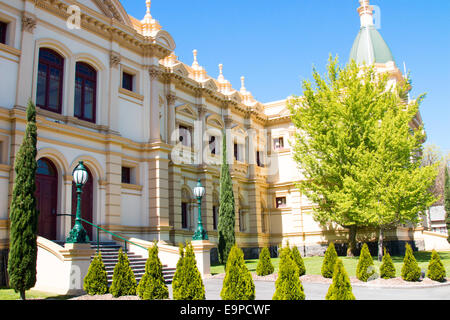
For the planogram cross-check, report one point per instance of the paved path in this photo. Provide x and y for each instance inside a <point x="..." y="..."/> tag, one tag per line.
<point x="264" y="290"/>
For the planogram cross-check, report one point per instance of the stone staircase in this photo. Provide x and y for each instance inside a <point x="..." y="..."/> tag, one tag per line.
<point x="110" y="252"/>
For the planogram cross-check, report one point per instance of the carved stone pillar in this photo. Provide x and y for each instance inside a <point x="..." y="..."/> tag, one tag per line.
<point x="171" y="99"/>
<point x="154" y="73"/>
<point x="114" y="84"/>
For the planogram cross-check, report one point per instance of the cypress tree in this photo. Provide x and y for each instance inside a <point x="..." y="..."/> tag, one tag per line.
<point x="238" y="283"/>
<point x="152" y="285"/>
<point x="436" y="270"/>
<point x="23" y="212"/>
<point x="191" y="285"/>
<point x="96" y="280"/>
<point x="226" y="223"/>
<point x="341" y="288"/>
<point x="365" y="269"/>
<point x="288" y="285"/>
<point x="124" y="282"/>
<point x="410" y="269"/>
<point x="178" y="277"/>
<point x="297" y="257"/>
<point x="387" y="268"/>
<point x="329" y="261"/>
<point x="265" y="266"/>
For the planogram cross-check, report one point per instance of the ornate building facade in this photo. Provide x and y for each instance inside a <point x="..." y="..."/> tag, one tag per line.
<point x="110" y="91"/>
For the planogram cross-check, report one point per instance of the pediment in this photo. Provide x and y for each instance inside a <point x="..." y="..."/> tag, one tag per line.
<point x="186" y="110"/>
<point x="109" y="8"/>
<point x="180" y="70"/>
<point x="236" y="97"/>
<point x="215" y="121"/>
<point x="210" y="85"/>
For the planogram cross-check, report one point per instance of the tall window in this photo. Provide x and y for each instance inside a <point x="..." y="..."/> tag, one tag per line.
<point x="3" y="27"/>
<point x="127" y="81"/>
<point x="185" y="136"/>
<point x="85" y="92"/>
<point x="212" y="144"/>
<point x="184" y="215"/>
<point x="50" y="80"/>
<point x="215" y="217"/>
<point x="126" y="175"/>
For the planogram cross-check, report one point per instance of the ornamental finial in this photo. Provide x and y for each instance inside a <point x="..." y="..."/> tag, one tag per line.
<point x="148" y="3"/>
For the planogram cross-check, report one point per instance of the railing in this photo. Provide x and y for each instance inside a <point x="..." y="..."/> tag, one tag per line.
<point x="126" y="241"/>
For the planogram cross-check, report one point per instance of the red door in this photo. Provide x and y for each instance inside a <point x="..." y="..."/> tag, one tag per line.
<point x="87" y="203"/>
<point x="47" y="198"/>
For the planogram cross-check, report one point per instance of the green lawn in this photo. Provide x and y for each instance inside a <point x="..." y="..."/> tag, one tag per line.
<point x="314" y="264"/>
<point x="9" y="294"/>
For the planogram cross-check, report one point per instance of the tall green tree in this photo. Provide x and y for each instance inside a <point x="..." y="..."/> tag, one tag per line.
<point x="23" y="212"/>
<point x="447" y="200"/>
<point x="152" y="285"/>
<point x="360" y="158"/>
<point x="226" y="224"/>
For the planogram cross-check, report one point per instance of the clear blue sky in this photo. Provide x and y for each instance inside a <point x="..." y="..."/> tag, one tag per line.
<point x="274" y="44"/>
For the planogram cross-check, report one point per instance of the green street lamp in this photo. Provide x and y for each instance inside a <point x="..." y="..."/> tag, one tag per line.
<point x="200" y="233"/>
<point x="78" y="234"/>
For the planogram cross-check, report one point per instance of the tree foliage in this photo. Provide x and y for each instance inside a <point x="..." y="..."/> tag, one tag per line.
<point x="23" y="212"/>
<point x="152" y="285"/>
<point x="329" y="261"/>
<point x="226" y="224"/>
<point x="123" y="282"/>
<point x="265" y="266"/>
<point x="238" y="283"/>
<point x="387" y="268"/>
<point x="288" y="285"/>
<point x="189" y="281"/>
<point x="297" y="257"/>
<point x="410" y="269"/>
<point x="360" y="158"/>
<point x="436" y="270"/>
<point x="365" y="267"/>
<point x="341" y="288"/>
<point x="96" y="280"/>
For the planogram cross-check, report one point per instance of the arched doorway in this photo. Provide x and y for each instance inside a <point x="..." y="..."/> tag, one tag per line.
<point x="47" y="198"/>
<point x="87" y="203"/>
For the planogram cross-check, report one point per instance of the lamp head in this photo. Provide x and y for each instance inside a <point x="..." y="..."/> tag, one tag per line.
<point x="199" y="190"/>
<point x="80" y="174"/>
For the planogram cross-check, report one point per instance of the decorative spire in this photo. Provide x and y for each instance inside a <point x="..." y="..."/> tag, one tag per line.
<point x="195" y="63"/>
<point x="221" y="78"/>
<point x="243" y="89"/>
<point x="366" y="13"/>
<point x="224" y="85"/>
<point x="148" y="4"/>
<point x="199" y="72"/>
<point x="149" y="25"/>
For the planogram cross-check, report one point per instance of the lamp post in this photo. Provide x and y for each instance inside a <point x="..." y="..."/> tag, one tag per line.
<point x="200" y="233"/>
<point x="78" y="234"/>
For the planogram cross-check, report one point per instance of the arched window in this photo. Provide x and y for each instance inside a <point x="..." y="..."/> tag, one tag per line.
<point x="50" y="80"/>
<point x="185" y="209"/>
<point x="85" y="92"/>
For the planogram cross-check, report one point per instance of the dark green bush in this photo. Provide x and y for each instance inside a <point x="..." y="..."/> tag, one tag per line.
<point x="96" y="280"/>
<point x="436" y="270"/>
<point x="178" y="276"/>
<point x="288" y="285"/>
<point x="365" y="268"/>
<point x="238" y="283"/>
<point x="297" y="257"/>
<point x="124" y="282"/>
<point x="387" y="268"/>
<point x="190" y="284"/>
<point x="329" y="261"/>
<point x="410" y="269"/>
<point x="152" y="285"/>
<point x="265" y="266"/>
<point x="341" y="288"/>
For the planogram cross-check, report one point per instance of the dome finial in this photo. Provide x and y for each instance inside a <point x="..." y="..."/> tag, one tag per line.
<point x="148" y="3"/>
<point x="366" y="13"/>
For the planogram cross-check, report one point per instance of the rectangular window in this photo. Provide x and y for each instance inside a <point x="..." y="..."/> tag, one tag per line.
<point x="212" y="144"/>
<point x="278" y="143"/>
<point x="3" y="27"/>
<point x="236" y="151"/>
<point x="259" y="157"/>
<point x="185" y="136"/>
<point x="281" y="202"/>
<point x="242" y="225"/>
<point x="127" y="81"/>
<point x="126" y="175"/>
<point x="184" y="215"/>
<point x="215" y="217"/>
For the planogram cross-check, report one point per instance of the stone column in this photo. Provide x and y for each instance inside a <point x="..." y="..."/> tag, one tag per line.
<point x="199" y="143"/>
<point x="114" y="84"/>
<point x="171" y="99"/>
<point x="175" y="178"/>
<point x="155" y="134"/>
<point x="113" y="177"/>
<point x="25" y="79"/>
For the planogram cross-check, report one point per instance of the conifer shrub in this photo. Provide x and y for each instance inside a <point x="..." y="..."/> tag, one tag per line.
<point x="387" y="268"/>
<point x="436" y="270"/>
<point x="410" y="270"/>
<point x="123" y="282"/>
<point x="288" y="285"/>
<point x="329" y="261"/>
<point x="365" y="267"/>
<point x="340" y="288"/>
<point x="238" y="283"/>
<point x="190" y="284"/>
<point x="96" y="280"/>
<point x="152" y="285"/>
<point x="178" y="276"/>
<point x="297" y="257"/>
<point x="265" y="266"/>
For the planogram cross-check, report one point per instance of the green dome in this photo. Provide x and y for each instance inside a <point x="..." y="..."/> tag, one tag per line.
<point x="370" y="47"/>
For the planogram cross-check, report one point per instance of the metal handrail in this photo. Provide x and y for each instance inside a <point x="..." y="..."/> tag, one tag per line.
<point x="111" y="233"/>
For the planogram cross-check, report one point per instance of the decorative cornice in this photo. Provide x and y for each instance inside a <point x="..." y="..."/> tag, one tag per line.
<point x="154" y="72"/>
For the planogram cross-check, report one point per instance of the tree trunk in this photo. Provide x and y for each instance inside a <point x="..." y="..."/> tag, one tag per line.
<point x="380" y="245"/>
<point x="351" y="251"/>
<point x="22" y="295"/>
